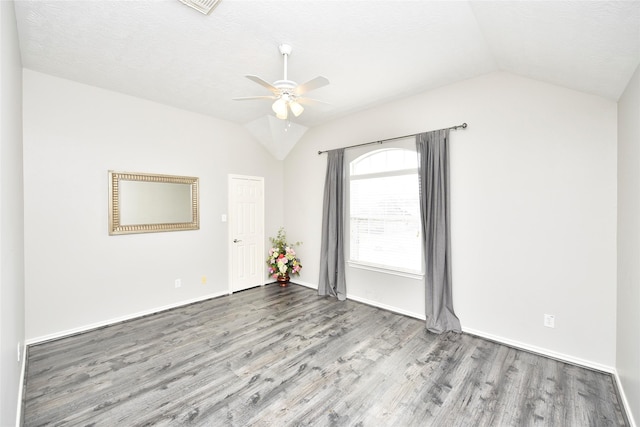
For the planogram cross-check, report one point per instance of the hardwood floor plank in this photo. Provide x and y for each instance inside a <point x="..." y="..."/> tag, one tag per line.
<point x="284" y="356"/>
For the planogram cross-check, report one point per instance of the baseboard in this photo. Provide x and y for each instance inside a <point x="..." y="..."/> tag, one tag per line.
<point x="386" y="307"/>
<point x="543" y="351"/>
<point x="625" y="401"/>
<point x="23" y="372"/>
<point x="85" y="328"/>
<point x="305" y="284"/>
<point x="367" y="302"/>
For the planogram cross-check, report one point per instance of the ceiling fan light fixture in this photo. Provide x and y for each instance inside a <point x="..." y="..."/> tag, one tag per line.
<point x="280" y="108"/>
<point x="296" y="108"/>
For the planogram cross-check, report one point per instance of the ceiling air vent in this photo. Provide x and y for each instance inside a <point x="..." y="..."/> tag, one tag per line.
<point x="204" y="6"/>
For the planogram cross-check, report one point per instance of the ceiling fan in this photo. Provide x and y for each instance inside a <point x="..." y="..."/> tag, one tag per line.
<point x="287" y="93"/>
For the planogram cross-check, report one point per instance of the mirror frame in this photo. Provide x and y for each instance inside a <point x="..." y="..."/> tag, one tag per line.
<point x="115" y="228"/>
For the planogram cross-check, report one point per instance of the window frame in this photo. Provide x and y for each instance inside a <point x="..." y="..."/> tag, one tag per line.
<point x="355" y="154"/>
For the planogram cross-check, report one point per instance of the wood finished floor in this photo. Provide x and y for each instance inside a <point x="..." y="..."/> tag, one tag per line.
<point x="274" y="356"/>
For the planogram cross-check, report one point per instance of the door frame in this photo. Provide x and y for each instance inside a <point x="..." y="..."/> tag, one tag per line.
<point x="261" y="249"/>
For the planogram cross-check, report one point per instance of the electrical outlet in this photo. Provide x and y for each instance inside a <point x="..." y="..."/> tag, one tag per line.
<point x="178" y="283"/>
<point x="204" y="280"/>
<point x="549" y="320"/>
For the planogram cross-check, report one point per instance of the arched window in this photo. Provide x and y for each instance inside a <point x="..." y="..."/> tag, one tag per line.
<point x="384" y="214"/>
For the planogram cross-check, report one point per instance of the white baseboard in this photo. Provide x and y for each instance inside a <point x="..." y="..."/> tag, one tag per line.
<point x="625" y="401"/>
<point x="112" y="321"/>
<point x="368" y="302"/>
<point x="305" y="284"/>
<point x="23" y="372"/>
<point x="543" y="351"/>
<point x="386" y="307"/>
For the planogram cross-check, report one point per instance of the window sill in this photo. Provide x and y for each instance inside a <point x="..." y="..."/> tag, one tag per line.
<point x="417" y="276"/>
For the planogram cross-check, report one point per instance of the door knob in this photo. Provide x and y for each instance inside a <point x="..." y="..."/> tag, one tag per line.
<point x="236" y="240"/>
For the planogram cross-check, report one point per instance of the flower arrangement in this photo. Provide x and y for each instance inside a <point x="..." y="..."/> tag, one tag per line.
<point x="282" y="260"/>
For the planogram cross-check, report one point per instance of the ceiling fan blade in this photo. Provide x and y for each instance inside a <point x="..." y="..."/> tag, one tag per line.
<point x="311" y="85"/>
<point x="246" y="98"/>
<point x="261" y="82"/>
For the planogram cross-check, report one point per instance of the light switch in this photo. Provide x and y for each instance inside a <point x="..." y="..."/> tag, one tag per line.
<point x="224" y="217"/>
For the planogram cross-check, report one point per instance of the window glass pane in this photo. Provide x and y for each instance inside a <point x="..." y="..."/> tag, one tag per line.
<point x="384" y="161"/>
<point x="385" y="222"/>
<point x="396" y="159"/>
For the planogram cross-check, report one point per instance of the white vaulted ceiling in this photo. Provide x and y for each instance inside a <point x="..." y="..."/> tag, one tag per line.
<point x="371" y="51"/>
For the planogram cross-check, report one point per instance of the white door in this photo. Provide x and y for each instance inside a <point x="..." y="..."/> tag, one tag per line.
<point x="246" y="232"/>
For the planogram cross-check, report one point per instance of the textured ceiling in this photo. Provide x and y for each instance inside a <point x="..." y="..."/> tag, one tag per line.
<point x="371" y="51"/>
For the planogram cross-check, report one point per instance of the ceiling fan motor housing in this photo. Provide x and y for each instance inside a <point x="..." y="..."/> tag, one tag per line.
<point x="286" y="86"/>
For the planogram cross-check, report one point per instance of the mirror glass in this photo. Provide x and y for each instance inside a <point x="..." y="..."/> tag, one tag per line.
<point x="142" y="203"/>
<point x="154" y="202"/>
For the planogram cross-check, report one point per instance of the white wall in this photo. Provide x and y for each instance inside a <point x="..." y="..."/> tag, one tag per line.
<point x="628" y="334"/>
<point x="11" y="216"/>
<point x="533" y="210"/>
<point x="76" y="274"/>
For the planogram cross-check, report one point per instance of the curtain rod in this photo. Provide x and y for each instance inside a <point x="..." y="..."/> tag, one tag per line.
<point x="462" y="126"/>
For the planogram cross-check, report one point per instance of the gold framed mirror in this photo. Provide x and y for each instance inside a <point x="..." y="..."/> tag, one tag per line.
<point x="148" y="203"/>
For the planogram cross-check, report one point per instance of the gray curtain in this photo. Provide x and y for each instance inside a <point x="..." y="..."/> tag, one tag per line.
<point x="332" y="250"/>
<point x="433" y="172"/>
